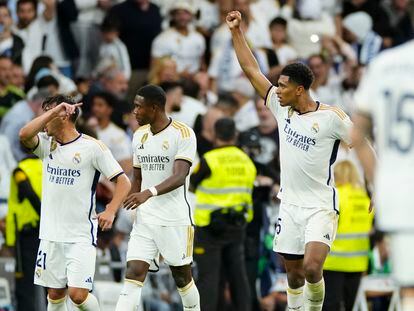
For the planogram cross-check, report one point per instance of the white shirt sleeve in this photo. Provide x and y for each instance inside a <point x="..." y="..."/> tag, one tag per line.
<point x="160" y="46"/>
<point x="272" y="102"/>
<point x="341" y="126"/>
<point x="365" y="92"/>
<point x="135" y="161"/>
<point x="121" y="148"/>
<point x="105" y="162"/>
<point x="44" y="145"/>
<point x="187" y="148"/>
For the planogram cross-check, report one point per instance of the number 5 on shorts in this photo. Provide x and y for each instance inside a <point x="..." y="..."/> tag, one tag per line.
<point x="41" y="260"/>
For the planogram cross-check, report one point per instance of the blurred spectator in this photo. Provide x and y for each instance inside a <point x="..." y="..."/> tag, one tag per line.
<point x="164" y="70"/>
<point x="246" y="114"/>
<point x="174" y="96"/>
<point x="348" y="259"/>
<point x="22" y="226"/>
<point x="9" y="94"/>
<point x="326" y="86"/>
<point x="399" y="19"/>
<point x="191" y="107"/>
<point x="7" y="165"/>
<point x="44" y="66"/>
<point x="140" y="24"/>
<point x="357" y="31"/>
<point x="380" y="21"/>
<point x="208" y="16"/>
<point x="267" y="10"/>
<point x="29" y="28"/>
<point x="48" y="82"/>
<point x="17" y="77"/>
<point x="111" y="135"/>
<point x="223" y="184"/>
<point x="11" y="45"/>
<point x="112" y="49"/>
<point x="107" y="252"/>
<point x="305" y="31"/>
<point x="185" y="45"/>
<point x="20" y="114"/>
<point x="285" y="53"/>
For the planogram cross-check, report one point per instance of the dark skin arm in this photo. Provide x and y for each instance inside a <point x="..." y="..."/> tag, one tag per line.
<point x="177" y="179"/>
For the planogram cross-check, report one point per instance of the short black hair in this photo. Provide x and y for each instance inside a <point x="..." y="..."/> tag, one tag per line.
<point x="278" y="21"/>
<point x="110" y="23"/>
<point x="20" y="2"/>
<point x="53" y="101"/>
<point x="299" y="73"/>
<point x="152" y="94"/>
<point x="109" y="99"/>
<point x="170" y="85"/>
<point x="225" y="129"/>
<point x="226" y="99"/>
<point x="47" y="81"/>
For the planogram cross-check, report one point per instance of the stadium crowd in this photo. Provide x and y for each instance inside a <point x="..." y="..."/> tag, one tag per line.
<point x="101" y="51"/>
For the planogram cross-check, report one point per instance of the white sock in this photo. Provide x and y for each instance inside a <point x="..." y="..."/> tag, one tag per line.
<point x="90" y="304"/>
<point x="190" y="297"/>
<point x="314" y="295"/>
<point x="57" y="305"/>
<point x="295" y="299"/>
<point x="130" y="296"/>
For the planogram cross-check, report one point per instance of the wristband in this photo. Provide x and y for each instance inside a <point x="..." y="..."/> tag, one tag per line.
<point x="153" y="191"/>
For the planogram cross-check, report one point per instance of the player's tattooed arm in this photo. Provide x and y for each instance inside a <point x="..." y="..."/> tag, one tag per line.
<point x="245" y="56"/>
<point x="177" y="179"/>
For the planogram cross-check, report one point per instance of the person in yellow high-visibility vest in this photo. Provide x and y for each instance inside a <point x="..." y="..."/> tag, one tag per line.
<point x="348" y="258"/>
<point x="22" y="226"/>
<point x="223" y="186"/>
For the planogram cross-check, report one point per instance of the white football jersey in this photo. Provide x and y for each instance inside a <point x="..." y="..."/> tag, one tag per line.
<point x="155" y="156"/>
<point x="70" y="176"/>
<point x="308" y="147"/>
<point x="386" y="93"/>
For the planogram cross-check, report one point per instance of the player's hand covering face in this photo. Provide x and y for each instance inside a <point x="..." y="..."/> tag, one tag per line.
<point x="136" y="199"/>
<point x="233" y="19"/>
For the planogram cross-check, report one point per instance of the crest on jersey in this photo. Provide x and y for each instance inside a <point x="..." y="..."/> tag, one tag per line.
<point x="144" y="138"/>
<point x="38" y="272"/>
<point x="165" y="145"/>
<point x="315" y="128"/>
<point x="53" y="145"/>
<point x="290" y="112"/>
<point x="76" y="158"/>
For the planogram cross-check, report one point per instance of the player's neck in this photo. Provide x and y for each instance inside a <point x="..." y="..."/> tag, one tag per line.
<point x="305" y="104"/>
<point x="160" y="123"/>
<point x="67" y="135"/>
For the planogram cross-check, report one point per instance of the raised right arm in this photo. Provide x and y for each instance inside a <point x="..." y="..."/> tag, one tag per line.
<point x="245" y="56"/>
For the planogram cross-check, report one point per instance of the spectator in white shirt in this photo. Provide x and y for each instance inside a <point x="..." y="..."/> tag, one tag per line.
<point x="185" y="45"/>
<point x="278" y="32"/>
<point x="112" y="49"/>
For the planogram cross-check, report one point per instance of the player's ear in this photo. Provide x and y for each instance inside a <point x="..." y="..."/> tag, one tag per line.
<point x="299" y="90"/>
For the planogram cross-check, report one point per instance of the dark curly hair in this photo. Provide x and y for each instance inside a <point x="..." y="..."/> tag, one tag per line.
<point x="299" y="73"/>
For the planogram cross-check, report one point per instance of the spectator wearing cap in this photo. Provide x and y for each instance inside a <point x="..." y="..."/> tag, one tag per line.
<point x="20" y="114"/>
<point x="185" y="45"/>
<point x="140" y="22"/>
<point x="246" y="114"/>
<point x="358" y="31"/>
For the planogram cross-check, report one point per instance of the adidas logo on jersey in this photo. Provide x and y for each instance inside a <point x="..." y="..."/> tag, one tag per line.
<point x="88" y="280"/>
<point x="326" y="236"/>
<point x="141" y="147"/>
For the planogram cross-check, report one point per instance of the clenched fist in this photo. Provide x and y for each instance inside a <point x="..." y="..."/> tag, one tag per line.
<point x="233" y="19"/>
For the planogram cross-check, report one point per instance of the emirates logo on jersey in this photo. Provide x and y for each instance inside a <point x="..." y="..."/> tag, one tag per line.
<point x="76" y="158"/>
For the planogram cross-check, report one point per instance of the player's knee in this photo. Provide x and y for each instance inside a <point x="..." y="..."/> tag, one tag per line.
<point x="136" y="272"/>
<point x="78" y="295"/>
<point x="313" y="271"/>
<point x="296" y="279"/>
<point x="181" y="280"/>
<point x="56" y="294"/>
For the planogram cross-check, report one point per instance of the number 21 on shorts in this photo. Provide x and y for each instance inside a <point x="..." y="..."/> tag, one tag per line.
<point x="41" y="260"/>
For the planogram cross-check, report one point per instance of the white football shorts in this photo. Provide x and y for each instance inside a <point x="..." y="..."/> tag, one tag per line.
<point x="174" y="244"/>
<point x="402" y="258"/>
<point x="59" y="264"/>
<point x="296" y="226"/>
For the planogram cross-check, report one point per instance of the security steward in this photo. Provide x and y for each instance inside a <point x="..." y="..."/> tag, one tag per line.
<point x="349" y="255"/>
<point x="22" y="227"/>
<point x="223" y="185"/>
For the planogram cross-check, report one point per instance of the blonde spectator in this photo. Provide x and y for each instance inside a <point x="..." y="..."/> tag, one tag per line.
<point x="164" y="70"/>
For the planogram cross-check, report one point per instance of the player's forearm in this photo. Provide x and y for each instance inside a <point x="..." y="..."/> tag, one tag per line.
<point x="31" y="129"/>
<point x="368" y="159"/>
<point x="171" y="183"/>
<point x="245" y="56"/>
<point x="122" y="188"/>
